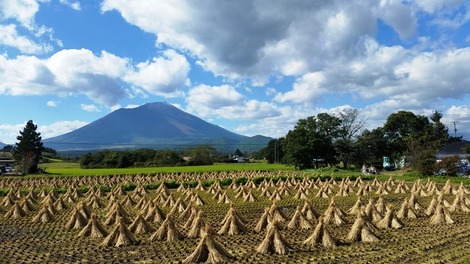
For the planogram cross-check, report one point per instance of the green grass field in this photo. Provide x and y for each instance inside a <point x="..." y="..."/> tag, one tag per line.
<point x="73" y="169"/>
<point x="59" y="168"/>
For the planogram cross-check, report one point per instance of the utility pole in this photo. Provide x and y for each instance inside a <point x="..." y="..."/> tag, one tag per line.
<point x="275" y="151"/>
<point x="455" y="128"/>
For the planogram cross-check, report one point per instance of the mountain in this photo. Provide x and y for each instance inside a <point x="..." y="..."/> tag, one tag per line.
<point x="2" y="145"/>
<point x="153" y="125"/>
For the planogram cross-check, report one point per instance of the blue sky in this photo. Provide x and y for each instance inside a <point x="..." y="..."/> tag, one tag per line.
<point x="253" y="67"/>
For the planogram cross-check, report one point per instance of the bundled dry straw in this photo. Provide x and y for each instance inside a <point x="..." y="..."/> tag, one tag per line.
<point x="371" y="212"/>
<point x="15" y="211"/>
<point x="356" y="208"/>
<point x="440" y="216"/>
<point x="232" y="224"/>
<point x="407" y="211"/>
<point x="362" y="230"/>
<point x="277" y="214"/>
<point x="273" y="241"/>
<point x="76" y="220"/>
<point x="119" y="236"/>
<point x="459" y="204"/>
<point x="167" y="231"/>
<point x="380" y="205"/>
<point x="93" y="229"/>
<point x="197" y="226"/>
<point x="263" y="221"/>
<point x="43" y="216"/>
<point x="116" y="213"/>
<point x="414" y="203"/>
<point x="208" y="251"/>
<point x="334" y="215"/>
<point x="140" y="226"/>
<point x="155" y="215"/>
<point x="321" y="236"/>
<point x="390" y="220"/>
<point x="309" y="212"/>
<point x="299" y="220"/>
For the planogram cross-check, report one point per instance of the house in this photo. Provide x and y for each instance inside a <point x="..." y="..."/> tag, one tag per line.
<point x="456" y="149"/>
<point x="6" y="165"/>
<point x="453" y="149"/>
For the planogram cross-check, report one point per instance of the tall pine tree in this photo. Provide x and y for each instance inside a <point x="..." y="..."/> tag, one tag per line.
<point x="28" y="148"/>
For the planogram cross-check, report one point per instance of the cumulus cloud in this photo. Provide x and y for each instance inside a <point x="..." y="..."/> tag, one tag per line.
<point x="400" y="16"/>
<point x="102" y="77"/>
<point x="308" y="88"/>
<point x="52" y="103"/>
<point x="89" y="108"/>
<point x="22" y="11"/>
<point x="459" y="112"/>
<point x="9" y="132"/>
<point x="253" y="38"/>
<point x="226" y="102"/>
<point x="59" y="127"/>
<point x="432" y="6"/>
<point x="75" y="5"/>
<point x="163" y="76"/>
<point x="9" y="37"/>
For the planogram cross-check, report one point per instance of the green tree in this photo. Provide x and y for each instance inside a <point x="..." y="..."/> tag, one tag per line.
<point x="28" y="148"/>
<point x="167" y="157"/>
<point x="371" y="146"/>
<point x="238" y="153"/>
<point x="416" y="136"/>
<point x="351" y="124"/>
<point x="273" y="152"/>
<point x="423" y="145"/>
<point x="201" y="155"/>
<point x="311" y="140"/>
<point x="8" y="148"/>
<point x="399" y="127"/>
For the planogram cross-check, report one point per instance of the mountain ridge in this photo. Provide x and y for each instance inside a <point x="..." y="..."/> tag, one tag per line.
<point x="153" y="125"/>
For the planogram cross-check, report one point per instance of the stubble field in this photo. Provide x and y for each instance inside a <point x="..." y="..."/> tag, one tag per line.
<point x="218" y="216"/>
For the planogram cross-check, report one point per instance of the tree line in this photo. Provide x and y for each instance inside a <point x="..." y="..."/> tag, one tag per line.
<point x="198" y="155"/>
<point x="332" y="139"/>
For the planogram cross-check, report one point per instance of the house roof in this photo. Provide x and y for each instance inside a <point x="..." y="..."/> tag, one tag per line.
<point x="453" y="149"/>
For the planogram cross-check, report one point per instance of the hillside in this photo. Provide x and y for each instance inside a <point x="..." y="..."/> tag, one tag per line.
<point x="153" y="125"/>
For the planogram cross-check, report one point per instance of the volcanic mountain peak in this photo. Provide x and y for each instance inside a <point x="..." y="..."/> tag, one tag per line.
<point x="159" y="125"/>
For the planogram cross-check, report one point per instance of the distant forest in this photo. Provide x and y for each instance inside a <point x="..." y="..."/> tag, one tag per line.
<point x="198" y="155"/>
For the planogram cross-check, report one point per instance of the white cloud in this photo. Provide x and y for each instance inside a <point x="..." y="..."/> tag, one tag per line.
<point x="75" y="5"/>
<point x="459" y="112"/>
<point x="432" y="6"/>
<point x="10" y="37"/>
<point x="227" y="103"/>
<point x="8" y="133"/>
<point x="59" y="127"/>
<point x="306" y="89"/>
<point x="400" y="16"/>
<point x="213" y="97"/>
<point x="163" y="76"/>
<point x="90" y="108"/>
<point x="52" y="103"/>
<point x="253" y="38"/>
<point x="101" y="77"/>
<point x="131" y="106"/>
<point x="22" y="11"/>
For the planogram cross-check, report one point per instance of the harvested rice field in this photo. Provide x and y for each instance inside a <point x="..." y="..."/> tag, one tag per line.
<point x="239" y="217"/>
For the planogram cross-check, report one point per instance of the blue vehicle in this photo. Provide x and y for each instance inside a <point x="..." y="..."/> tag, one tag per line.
<point x="388" y="164"/>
